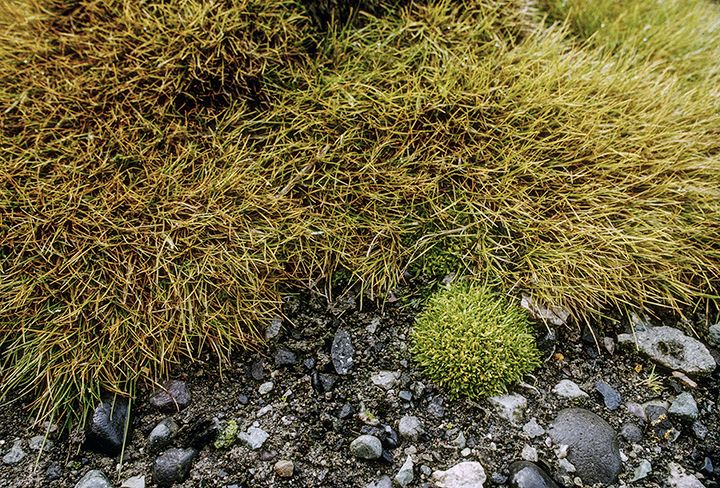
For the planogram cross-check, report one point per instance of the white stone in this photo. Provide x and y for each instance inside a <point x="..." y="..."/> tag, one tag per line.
<point x="385" y="379"/>
<point x="679" y="479"/>
<point x="134" y="482"/>
<point x="468" y="474"/>
<point x="254" y="437"/>
<point x="532" y="429"/>
<point x="529" y="453"/>
<point x="510" y="407"/>
<point x="568" y="389"/>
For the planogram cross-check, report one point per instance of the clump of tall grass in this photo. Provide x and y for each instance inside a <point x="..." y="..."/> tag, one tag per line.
<point x="155" y="200"/>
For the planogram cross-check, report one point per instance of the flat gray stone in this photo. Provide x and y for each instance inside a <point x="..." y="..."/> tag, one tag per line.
<point x="410" y="428"/>
<point x="592" y="445"/>
<point x="94" y="479"/>
<point x="679" y="479"/>
<point x="405" y="475"/>
<point x="134" y="482"/>
<point x="384" y="482"/>
<point x="524" y="474"/>
<point x="40" y="442"/>
<point x="610" y="395"/>
<point x="385" y="379"/>
<point x="342" y="352"/>
<point x="468" y="474"/>
<point x="173" y="466"/>
<point x="714" y="335"/>
<point x="510" y="407"/>
<point x="366" y="447"/>
<point x="15" y="454"/>
<point x="254" y="437"/>
<point x="673" y="349"/>
<point x="172" y="396"/>
<point x="532" y="429"/>
<point x="643" y="469"/>
<point x="568" y="389"/>
<point x="684" y="407"/>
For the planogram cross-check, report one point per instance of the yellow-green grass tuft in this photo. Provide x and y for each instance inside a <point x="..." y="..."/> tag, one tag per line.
<point x="473" y="341"/>
<point x="166" y="170"/>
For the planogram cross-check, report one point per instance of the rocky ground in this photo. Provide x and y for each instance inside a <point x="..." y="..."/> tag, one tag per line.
<point x="337" y="402"/>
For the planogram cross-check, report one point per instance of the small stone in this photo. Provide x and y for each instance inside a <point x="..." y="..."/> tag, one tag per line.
<point x="385" y="379"/>
<point x="105" y="431"/>
<point x="467" y="474"/>
<point x="532" y="429"/>
<point x="631" y="432"/>
<point x="384" y="482"/>
<point x="254" y="437"/>
<point x="257" y="371"/>
<point x="525" y="474"/>
<point x="410" y="428"/>
<point x="172" y="396"/>
<point x="529" y="453"/>
<point x="436" y="408"/>
<point x="94" y="479"/>
<point x="610" y="396"/>
<point x="459" y="441"/>
<point x="466" y="452"/>
<point x="274" y="328"/>
<point x="673" y="349"/>
<point x="699" y="430"/>
<point x="569" y="389"/>
<point x="637" y="410"/>
<point x="323" y="382"/>
<point x="284" y="468"/>
<point x="15" y="454"/>
<point x="684" y="407"/>
<point x="173" y="466"/>
<point x="385" y="433"/>
<point x="54" y="472"/>
<point x="40" y="442"/>
<point x="285" y="358"/>
<point x="161" y="435"/>
<point x="134" y="482"/>
<point x="660" y="425"/>
<point x="346" y="411"/>
<point x="566" y="466"/>
<point x="510" y="407"/>
<point x="714" y="335"/>
<point x="592" y="445"/>
<point x="609" y="344"/>
<point x="679" y="479"/>
<point x="644" y="468"/>
<point x="243" y="399"/>
<point x="266" y="388"/>
<point x="708" y="465"/>
<point x="405" y="395"/>
<point x="406" y="475"/>
<point x="342" y="352"/>
<point x="366" y="447"/>
<point x="264" y="411"/>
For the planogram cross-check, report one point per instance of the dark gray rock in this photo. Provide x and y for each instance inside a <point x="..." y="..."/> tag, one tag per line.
<point x="631" y="432"/>
<point x="524" y="474"/>
<point x="346" y="411"/>
<point x="714" y="335"/>
<point x="684" y="407"/>
<point x="53" y="472"/>
<point x="94" y="479"/>
<point x="172" y="396"/>
<point x="257" y="371"/>
<point x="436" y="408"/>
<point x="201" y="432"/>
<point x="660" y="424"/>
<point x="105" y="431"/>
<point x="610" y="396"/>
<point x="173" y="466"/>
<point x="384" y="482"/>
<point x="387" y="435"/>
<point x="161" y="435"/>
<point x="322" y="382"/>
<point x="285" y="358"/>
<point x="592" y="445"/>
<point x="342" y="352"/>
<point x="410" y="428"/>
<point x="671" y="348"/>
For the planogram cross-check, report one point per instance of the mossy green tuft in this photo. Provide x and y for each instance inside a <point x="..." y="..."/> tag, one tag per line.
<point x="472" y="341"/>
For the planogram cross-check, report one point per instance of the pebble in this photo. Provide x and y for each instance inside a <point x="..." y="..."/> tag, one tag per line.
<point x="161" y="435"/>
<point x="40" y="442"/>
<point x="699" y="430"/>
<point x="660" y="425"/>
<point x="173" y="466"/>
<point x="631" y="432"/>
<point x="673" y="349"/>
<point x="405" y="395"/>
<point x="525" y="474"/>
<point x="529" y="453"/>
<point x="410" y="428"/>
<point x="592" y="445"/>
<point x="284" y="468"/>
<point x="266" y="388"/>
<point x="385" y="379"/>
<point x="134" y="482"/>
<point x="436" y="408"/>
<point x="323" y="382"/>
<point x="568" y="389"/>
<point x="285" y="358"/>
<point x="384" y="482"/>
<point x="53" y="472"/>
<point x="637" y="410"/>
<point x="274" y="328"/>
<point x="94" y="479"/>
<point x="684" y="407"/>
<point x="342" y="352"/>
<point x="610" y="396"/>
<point x="467" y="474"/>
<point x="714" y="335"/>
<point x="510" y="407"/>
<point x="366" y="447"/>
<point x="459" y="442"/>
<point x="346" y="411"/>
<point x="679" y="479"/>
<point x="172" y="396"/>
<point x="106" y="429"/>
<point x="405" y="475"/>
<point x="254" y="437"/>
<point x="532" y="429"/>
<point x="15" y="454"/>
<point x="642" y="471"/>
<point x="387" y="435"/>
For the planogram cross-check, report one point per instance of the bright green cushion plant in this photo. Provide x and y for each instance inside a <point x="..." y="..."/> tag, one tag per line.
<point x="472" y="341"/>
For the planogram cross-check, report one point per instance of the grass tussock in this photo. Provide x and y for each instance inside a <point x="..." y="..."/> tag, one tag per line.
<point x="167" y="168"/>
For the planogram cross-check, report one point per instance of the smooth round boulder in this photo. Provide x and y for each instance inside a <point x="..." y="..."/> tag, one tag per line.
<point x="592" y="445"/>
<point x="173" y="466"/>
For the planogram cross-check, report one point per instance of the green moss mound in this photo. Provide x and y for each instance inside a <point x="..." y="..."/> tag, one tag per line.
<point x="473" y="341"/>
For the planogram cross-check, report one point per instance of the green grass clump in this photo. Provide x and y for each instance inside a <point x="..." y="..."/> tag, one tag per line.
<point x="473" y="341"/>
<point x="167" y="168"/>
